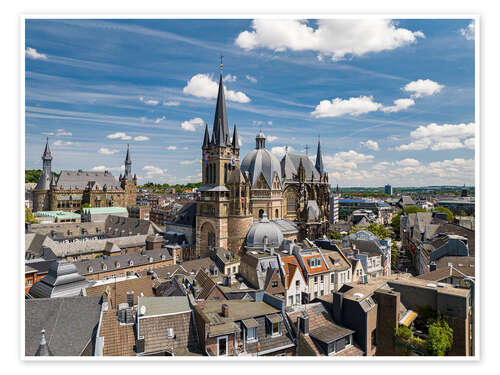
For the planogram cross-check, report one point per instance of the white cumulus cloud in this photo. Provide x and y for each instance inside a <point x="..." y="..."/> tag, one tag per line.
<point x="151" y="171"/>
<point x="330" y="37"/>
<point x="189" y="162"/>
<point x="469" y="32"/>
<point x="141" y="138"/>
<point x="408" y="162"/>
<point x="192" y="124"/>
<point x="372" y="145"/>
<point x="399" y="105"/>
<point x="423" y="87"/>
<point x="106" y="151"/>
<point x="271" y="138"/>
<point x="159" y="119"/>
<point x="441" y="137"/>
<point x="340" y="107"/>
<point x="203" y="86"/>
<point x="119" y="135"/>
<point x="171" y="148"/>
<point x="63" y="133"/>
<point x="32" y="53"/>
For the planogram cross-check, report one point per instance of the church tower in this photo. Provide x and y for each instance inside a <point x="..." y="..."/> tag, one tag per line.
<point x="129" y="183"/>
<point x="41" y="199"/>
<point x="220" y="157"/>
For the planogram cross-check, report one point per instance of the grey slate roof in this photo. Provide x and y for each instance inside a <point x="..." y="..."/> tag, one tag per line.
<point x="286" y="226"/>
<point x="34" y="243"/>
<point x="117" y="226"/>
<point x="290" y="166"/>
<point x="319" y="160"/>
<point x="264" y="230"/>
<point x="63" y="280"/>
<point x="117" y="262"/>
<point x="261" y="161"/>
<point x="69" y="324"/>
<point x="80" y="179"/>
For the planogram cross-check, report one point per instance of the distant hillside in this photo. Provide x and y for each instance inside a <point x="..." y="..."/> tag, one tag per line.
<point x="33" y="175"/>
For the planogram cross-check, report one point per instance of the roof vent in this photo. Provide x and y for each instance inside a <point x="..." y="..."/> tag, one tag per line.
<point x="441" y="285"/>
<point x="431" y="285"/>
<point x="358" y="295"/>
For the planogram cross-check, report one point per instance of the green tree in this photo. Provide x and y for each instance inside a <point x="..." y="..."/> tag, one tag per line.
<point x="377" y="229"/>
<point x="440" y="338"/>
<point x="334" y="235"/>
<point x="463" y="213"/>
<point x="449" y="215"/>
<point x="29" y="217"/>
<point x="85" y="205"/>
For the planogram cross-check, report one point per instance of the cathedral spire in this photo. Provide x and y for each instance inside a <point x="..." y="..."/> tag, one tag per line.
<point x="128" y="164"/>
<point x="206" y="140"/>
<point x="236" y="143"/>
<point x="319" y="159"/>
<point x="220" y="132"/>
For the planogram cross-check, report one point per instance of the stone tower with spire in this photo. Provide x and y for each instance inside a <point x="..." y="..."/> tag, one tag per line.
<point x="41" y="196"/>
<point x="216" y="212"/>
<point x="127" y="182"/>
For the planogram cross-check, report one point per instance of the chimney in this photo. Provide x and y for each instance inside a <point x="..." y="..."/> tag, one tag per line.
<point x="432" y="266"/>
<point x="303" y="323"/>
<point x="338" y="299"/>
<point x="130" y="298"/>
<point x="140" y="344"/>
<point x="225" y="310"/>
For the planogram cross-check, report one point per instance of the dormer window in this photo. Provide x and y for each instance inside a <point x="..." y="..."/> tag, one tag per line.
<point x="90" y="269"/>
<point x="117" y="264"/>
<point x="163" y="257"/>
<point x="130" y="263"/>
<point x="104" y="267"/>
<point x="150" y="259"/>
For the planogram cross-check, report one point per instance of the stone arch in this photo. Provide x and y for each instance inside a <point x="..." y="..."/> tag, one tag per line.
<point x="261" y="213"/>
<point x="208" y="237"/>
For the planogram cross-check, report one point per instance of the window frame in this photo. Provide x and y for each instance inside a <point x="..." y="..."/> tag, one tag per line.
<point x="218" y="346"/>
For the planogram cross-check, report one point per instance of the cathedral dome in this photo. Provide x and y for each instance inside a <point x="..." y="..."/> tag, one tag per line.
<point x="264" y="232"/>
<point x="262" y="161"/>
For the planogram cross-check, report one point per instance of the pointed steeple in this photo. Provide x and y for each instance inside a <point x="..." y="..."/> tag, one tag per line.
<point x="236" y="143"/>
<point x="220" y="132"/>
<point x="128" y="164"/>
<point x="43" y="349"/>
<point x="319" y="159"/>
<point x="46" y="153"/>
<point x="206" y="139"/>
<point x="45" y="179"/>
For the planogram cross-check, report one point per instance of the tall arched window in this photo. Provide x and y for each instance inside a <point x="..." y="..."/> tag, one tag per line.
<point x="276" y="214"/>
<point x="261" y="213"/>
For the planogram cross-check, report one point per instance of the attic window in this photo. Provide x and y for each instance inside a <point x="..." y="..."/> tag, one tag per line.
<point x="90" y="269"/>
<point x="151" y="259"/>
<point x="104" y="267"/>
<point x="275" y="284"/>
<point x="117" y="264"/>
<point x="163" y="257"/>
<point x="130" y="263"/>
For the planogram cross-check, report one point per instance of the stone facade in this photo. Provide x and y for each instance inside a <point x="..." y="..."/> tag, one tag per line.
<point x="234" y="195"/>
<point x="71" y="189"/>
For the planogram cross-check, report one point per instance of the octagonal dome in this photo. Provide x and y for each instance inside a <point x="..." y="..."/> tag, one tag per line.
<point x="264" y="232"/>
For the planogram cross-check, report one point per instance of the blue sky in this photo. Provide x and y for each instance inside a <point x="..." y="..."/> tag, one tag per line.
<point x="93" y="86"/>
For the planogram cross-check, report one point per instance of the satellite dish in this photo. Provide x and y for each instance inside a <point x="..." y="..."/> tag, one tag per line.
<point x="143" y="310"/>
